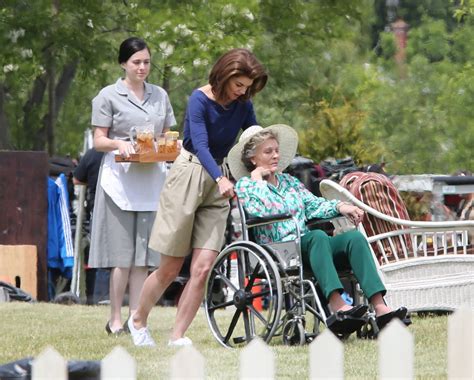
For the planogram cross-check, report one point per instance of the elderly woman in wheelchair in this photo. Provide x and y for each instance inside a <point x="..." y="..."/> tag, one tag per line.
<point x="263" y="191"/>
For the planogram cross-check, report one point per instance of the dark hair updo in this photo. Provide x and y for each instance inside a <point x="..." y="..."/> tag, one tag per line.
<point x="129" y="47"/>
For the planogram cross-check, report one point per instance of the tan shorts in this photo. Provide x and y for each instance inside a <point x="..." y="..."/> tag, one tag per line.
<point x="191" y="213"/>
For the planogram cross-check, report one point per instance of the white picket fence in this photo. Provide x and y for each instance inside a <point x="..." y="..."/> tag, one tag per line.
<point x="326" y="357"/>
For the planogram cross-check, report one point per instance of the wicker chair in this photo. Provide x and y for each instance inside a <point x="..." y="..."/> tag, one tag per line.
<point x="434" y="268"/>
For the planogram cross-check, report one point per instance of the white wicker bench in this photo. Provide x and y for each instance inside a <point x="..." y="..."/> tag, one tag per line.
<point x="434" y="268"/>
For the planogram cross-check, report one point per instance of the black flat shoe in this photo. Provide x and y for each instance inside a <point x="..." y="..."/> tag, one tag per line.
<point x="356" y="312"/>
<point x="114" y="333"/>
<point x="125" y="328"/>
<point x="343" y="325"/>
<point x="385" y="319"/>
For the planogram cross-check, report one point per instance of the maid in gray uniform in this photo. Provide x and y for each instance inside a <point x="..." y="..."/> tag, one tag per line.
<point x="127" y="193"/>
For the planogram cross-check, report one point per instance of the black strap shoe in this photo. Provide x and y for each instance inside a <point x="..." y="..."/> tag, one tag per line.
<point x="385" y="319"/>
<point x="356" y="312"/>
<point x="113" y="333"/>
<point x="343" y="326"/>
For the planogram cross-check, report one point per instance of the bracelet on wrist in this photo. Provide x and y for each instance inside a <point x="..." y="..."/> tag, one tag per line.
<point x="219" y="178"/>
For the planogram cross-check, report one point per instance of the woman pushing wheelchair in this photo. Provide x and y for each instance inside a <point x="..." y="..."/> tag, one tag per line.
<point x="257" y="162"/>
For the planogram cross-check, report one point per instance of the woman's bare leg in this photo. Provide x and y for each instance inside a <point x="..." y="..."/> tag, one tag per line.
<point x="379" y="305"/>
<point x="154" y="287"/>
<point x="136" y="280"/>
<point x="193" y="292"/>
<point x="336" y="303"/>
<point x="118" y="285"/>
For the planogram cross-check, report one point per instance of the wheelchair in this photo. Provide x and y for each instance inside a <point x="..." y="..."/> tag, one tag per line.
<point x="264" y="290"/>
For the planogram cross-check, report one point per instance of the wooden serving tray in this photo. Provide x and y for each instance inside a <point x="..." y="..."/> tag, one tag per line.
<point x="147" y="157"/>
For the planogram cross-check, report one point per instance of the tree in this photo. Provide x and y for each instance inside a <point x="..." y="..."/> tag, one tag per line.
<point x="331" y="67"/>
<point x="315" y="56"/>
<point x="48" y="42"/>
<point x="424" y="120"/>
<point x="185" y="37"/>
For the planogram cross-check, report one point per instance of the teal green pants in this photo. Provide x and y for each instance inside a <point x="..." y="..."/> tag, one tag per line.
<point x="349" y="250"/>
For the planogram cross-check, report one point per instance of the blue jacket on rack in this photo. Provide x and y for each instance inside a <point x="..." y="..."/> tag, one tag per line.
<point x="60" y="247"/>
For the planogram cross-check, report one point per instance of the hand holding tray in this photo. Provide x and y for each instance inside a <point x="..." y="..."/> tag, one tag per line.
<point x="147" y="157"/>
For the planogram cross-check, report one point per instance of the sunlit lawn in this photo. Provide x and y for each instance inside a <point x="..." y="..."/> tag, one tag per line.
<point x="77" y="332"/>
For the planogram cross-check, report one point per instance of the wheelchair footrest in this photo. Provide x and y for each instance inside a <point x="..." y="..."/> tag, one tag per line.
<point x="344" y="325"/>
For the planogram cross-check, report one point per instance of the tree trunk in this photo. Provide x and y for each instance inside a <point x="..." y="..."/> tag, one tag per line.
<point x="166" y="77"/>
<point x="5" y="143"/>
<point x="30" y="112"/>
<point x="50" y="118"/>
<point x="56" y="101"/>
<point x="36" y="99"/>
<point x="64" y="84"/>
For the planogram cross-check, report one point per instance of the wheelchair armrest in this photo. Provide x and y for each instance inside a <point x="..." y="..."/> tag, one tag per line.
<point x="328" y="225"/>
<point x="315" y="222"/>
<point x="323" y="224"/>
<point x="255" y="221"/>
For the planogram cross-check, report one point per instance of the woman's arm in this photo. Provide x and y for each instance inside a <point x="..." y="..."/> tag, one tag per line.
<point x="102" y="143"/>
<point x="199" y="137"/>
<point x="200" y="141"/>
<point x="257" y="198"/>
<point x="315" y="207"/>
<point x="354" y="213"/>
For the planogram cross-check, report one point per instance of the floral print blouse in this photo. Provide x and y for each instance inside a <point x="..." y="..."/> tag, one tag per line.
<point x="261" y="199"/>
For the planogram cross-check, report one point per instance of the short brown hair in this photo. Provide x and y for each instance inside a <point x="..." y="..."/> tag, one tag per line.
<point x="237" y="62"/>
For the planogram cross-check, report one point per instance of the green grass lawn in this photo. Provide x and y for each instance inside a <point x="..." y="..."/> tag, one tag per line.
<point x="77" y="332"/>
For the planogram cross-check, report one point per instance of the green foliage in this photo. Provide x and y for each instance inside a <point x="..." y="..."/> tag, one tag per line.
<point x="333" y="126"/>
<point x="414" y="12"/>
<point x="187" y="37"/>
<point x="48" y="44"/>
<point x="388" y="46"/>
<point x="424" y="120"/>
<point x="330" y="62"/>
<point x="461" y="44"/>
<point x="464" y="10"/>
<point x="430" y="39"/>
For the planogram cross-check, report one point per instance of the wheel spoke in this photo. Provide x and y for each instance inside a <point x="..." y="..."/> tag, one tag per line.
<point x="252" y="278"/>
<point x="221" y="305"/>
<point x="259" y="294"/>
<point x="258" y="315"/>
<point x="232" y="325"/>
<point x="227" y="281"/>
<point x="248" y="330"/>
<point x="241" y="270"/>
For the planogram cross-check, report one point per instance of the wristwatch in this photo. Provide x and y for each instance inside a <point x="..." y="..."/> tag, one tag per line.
<point x="219" y="178"/>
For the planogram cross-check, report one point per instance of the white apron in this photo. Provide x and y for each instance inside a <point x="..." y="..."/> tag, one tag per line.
<point x="133" y="186"/>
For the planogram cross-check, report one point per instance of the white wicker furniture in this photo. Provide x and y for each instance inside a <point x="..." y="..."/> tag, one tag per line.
<point x="434" y="269"/>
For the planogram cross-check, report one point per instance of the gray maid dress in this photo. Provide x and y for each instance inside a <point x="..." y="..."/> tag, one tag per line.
<point x="127" y="193"/>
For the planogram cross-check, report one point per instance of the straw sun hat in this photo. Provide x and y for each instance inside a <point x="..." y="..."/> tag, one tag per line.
<point x="287" y="139"/>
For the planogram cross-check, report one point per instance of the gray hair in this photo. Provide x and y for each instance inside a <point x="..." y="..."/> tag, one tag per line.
<point x="250" y="147"/>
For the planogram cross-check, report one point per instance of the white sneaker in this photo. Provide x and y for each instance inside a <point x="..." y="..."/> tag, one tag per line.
<point x="181" y="342"/>
<point x="141" y="337"/>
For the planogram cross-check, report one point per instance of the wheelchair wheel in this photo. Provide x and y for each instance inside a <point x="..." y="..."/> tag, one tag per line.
<point x="294" y="333"/>
<point x="314" y="322"/>
<point x="254" y="295"/>
<point x="311" y="320"/>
